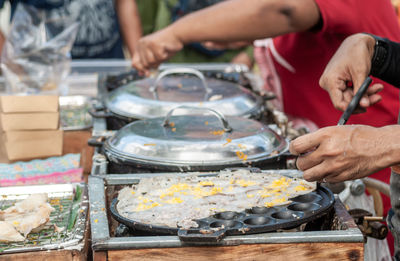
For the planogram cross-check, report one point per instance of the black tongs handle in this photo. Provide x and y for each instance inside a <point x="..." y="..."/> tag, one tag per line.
<point x="355" y="101"/>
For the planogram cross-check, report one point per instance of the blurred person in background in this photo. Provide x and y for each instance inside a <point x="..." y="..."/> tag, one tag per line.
<point x="158" y="14"/>
<point x="302" y="36"/>
<point x="103" y="22"/>
<point x="99" y="33"/>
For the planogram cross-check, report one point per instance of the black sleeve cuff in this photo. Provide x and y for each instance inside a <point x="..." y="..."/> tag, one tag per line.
<point x="385" y="63"/>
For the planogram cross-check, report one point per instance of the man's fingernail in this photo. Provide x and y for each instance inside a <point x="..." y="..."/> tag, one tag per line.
<point x="364" y="101"/>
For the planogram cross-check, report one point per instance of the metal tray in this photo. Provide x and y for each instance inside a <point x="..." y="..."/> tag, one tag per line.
<point x="71" y="204"/>
<point x="304" y="208"/>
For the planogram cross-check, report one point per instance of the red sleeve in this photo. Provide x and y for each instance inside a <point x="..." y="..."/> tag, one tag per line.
<point x="341" y="16"/>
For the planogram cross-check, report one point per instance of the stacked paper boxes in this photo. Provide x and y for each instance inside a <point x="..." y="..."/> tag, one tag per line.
<point x="30" y="126"/>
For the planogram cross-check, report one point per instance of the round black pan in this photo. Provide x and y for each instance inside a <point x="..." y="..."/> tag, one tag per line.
<point x="303" y="209"/>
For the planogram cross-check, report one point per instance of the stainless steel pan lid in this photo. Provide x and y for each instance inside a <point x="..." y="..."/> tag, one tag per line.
<point x="195" y="140"/>
<point x="155" y="97"/>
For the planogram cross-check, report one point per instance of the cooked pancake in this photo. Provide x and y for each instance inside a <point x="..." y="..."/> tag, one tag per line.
<point x="28" y="214"/>
<point x="177" y="201"/>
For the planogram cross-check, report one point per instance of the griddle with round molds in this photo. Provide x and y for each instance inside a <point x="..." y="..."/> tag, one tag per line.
<point x="304" y="208"/>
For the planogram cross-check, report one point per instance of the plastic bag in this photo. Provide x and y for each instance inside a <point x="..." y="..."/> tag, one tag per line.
<point x="36" y="54"/>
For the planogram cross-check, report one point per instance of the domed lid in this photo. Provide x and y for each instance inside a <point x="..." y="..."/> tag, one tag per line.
<point x="195" y="140"/>
<point x="155" y="97"/>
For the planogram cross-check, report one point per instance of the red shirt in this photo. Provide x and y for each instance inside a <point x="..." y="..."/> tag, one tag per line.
<point x="309" y="53"/>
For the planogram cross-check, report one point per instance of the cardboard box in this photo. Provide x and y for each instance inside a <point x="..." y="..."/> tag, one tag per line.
<point x="29" y="121"/>
<point x="23" y="145"/>
<point x="32" y="103"/>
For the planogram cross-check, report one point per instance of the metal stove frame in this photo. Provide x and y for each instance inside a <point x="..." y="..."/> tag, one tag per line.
<point x="102" y="239"/>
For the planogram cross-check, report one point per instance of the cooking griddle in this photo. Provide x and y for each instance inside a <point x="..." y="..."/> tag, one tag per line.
<point x="304" y="208"/>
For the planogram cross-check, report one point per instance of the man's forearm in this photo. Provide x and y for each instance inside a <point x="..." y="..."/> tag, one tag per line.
<point x="391" y="143"/>
<point x="130" y="24"/>
<point x="257" y="19"/>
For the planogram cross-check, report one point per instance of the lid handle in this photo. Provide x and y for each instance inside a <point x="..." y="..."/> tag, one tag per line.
<point x="191" y="71"/>
<point x="220" y="117"/>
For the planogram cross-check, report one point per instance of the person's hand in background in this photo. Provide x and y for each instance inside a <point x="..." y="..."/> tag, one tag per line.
<point x="243" y="58"/>
<point x="155" y="48"/>
<point x="226" y="45"/>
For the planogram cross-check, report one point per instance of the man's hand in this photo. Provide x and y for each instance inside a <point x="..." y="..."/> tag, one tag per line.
<point x="155" y="48"/>
<point x="243" y="58"/>
<point x="226" y="45"/>
<point x="339" y="153"/>
<point x="351" y="63"/>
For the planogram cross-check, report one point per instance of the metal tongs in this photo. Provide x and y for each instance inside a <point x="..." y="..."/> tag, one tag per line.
<point x="355" y="101"/>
